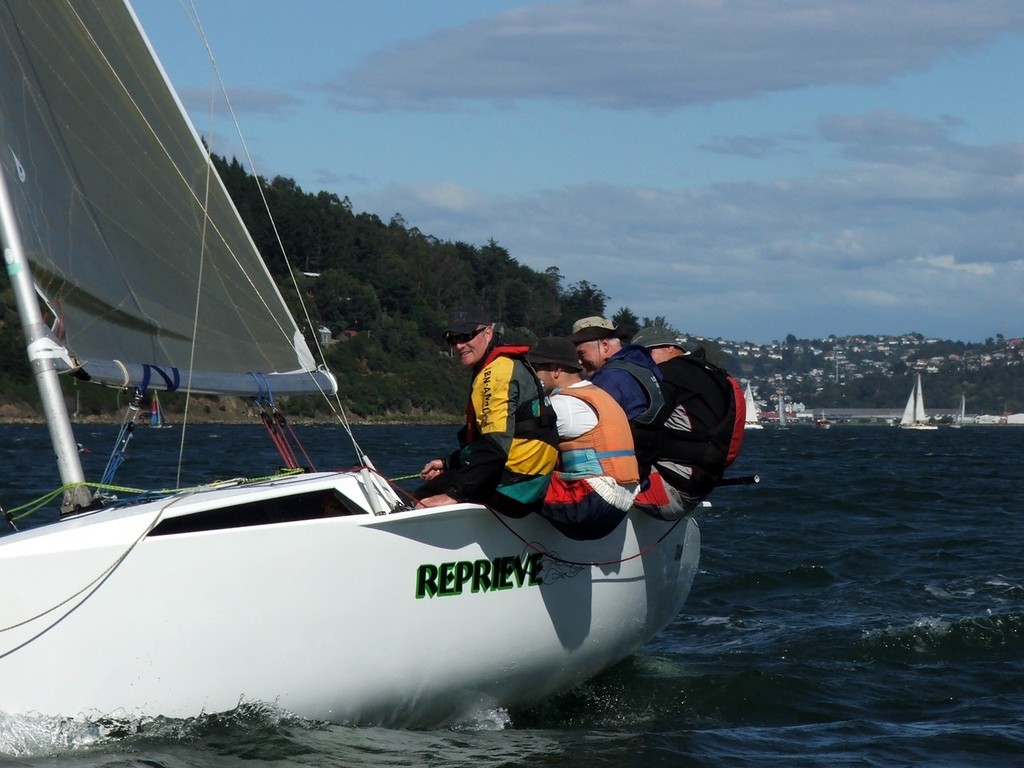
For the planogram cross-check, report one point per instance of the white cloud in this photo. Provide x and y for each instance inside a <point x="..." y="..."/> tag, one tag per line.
<point x="948" y="262"/>
<point x="662" y="54"/>
<point x="271" y="102"/>
<point x="448" y="197"/>
<point x="831" y="253"/>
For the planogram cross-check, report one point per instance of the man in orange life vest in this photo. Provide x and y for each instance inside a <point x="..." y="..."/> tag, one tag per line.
<point x="596" y="478"/>
<point x="508" y="445"/>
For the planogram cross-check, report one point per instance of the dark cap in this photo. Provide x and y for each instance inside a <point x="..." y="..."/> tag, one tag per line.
<point x="658" y="336"/>
<point x="555" y="350"/>
<point x="466" y="320"/>
<point x="593" y="328"/>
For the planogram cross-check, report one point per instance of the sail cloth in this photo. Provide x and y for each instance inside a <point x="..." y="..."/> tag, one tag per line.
<point x="913" y="412"/>
<point x="121" y="215"/>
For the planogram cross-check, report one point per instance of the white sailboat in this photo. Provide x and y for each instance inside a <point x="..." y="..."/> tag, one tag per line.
<point x="958" y="419"/>
<point x="914" y="416"/>
<point x="783" y="419"/>
<point x="753" y="418"/>
<point x="321" y="593"/>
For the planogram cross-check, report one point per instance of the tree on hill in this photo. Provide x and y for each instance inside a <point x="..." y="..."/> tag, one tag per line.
<point x="383" y="291"/>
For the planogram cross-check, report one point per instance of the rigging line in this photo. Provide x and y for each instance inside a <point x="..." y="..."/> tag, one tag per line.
<point x="199" y="291"/>
<point x="546" y="553"/>
<point x="338" y="411"/>
<point x="89" y="589"/>
<point x="298" y="442"/>
<point x="117" y="454"/>
<point x="182" y="176"/>
<point x="219" y="81"/>
<point x="334" y="402"/>
<point x="30" y="507"/>
<point x="276" y="436"/>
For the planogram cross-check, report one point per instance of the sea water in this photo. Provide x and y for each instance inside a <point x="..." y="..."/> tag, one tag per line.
<point x="863" y="605"/>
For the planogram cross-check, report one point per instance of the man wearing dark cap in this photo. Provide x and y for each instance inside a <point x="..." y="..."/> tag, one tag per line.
<point x="698" y="429"/>
<point x="630" y="376"/>
<point x="596" y="478"/>
<point x="508" y="445"/>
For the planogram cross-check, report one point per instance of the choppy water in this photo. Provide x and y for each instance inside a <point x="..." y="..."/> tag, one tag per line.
<point x="862" y="606"/>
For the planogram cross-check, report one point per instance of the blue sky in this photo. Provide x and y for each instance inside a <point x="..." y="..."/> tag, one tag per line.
<point x="744" y="168"/>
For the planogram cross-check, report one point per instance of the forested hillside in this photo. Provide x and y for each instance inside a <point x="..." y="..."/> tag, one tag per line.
<point x="377" y="295"/>
<point x="380" y="291"/>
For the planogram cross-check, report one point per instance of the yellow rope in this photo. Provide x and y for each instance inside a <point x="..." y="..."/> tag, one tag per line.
<point x="24" y="510"/>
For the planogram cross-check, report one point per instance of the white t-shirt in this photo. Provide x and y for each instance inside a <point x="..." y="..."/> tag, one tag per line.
<point x="574" y="416"/>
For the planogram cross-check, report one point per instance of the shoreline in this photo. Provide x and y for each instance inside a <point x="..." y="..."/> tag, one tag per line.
<point x="438" y="421"/>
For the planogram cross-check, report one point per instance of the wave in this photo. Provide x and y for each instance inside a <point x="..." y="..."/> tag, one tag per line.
<point x="994" y="635"/>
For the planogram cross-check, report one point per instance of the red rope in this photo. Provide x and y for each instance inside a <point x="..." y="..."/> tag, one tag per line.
<point x="287" y="455"/>
<point x="298" y="442"/>
<point x="537" y="548"/>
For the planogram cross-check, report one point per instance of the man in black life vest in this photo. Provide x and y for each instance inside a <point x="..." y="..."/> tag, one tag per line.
<point x="701" y="421"/>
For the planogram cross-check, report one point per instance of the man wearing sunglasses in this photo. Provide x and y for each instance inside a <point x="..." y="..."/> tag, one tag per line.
<point x="508" y="446"/>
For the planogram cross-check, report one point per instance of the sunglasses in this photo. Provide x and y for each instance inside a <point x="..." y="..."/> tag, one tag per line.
<point x="451" y="339"/>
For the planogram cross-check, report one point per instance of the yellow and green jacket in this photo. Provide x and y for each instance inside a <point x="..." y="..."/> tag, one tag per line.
<point x="509" y="442"/>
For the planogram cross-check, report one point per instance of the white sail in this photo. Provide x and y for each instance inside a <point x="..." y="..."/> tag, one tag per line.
<point x="121" y="215"/>
<point x="958" y="419"/>
<point x="753" y="418"/>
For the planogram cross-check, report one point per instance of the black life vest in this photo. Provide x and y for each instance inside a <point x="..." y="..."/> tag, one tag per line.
<point x="714" y="445"/>
<point x="646" y="378"/>
<point x="647" y="426"/>
<point x="534" y="417"/>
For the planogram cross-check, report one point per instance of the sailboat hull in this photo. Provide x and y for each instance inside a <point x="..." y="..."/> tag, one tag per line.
<point x="410" y="619"/>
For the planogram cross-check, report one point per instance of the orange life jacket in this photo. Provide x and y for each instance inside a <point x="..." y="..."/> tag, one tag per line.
<point x="607" y="449"/>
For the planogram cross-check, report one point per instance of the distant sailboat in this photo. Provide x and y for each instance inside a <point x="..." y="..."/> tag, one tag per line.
<point x="782" y="411"/>
<point x="156" y="414"/>
<point x="753" y="420"/>
<point x="914" y="416"/>
<point x="958" y="420"/>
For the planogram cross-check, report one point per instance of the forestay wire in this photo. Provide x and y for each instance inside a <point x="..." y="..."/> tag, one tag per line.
<point x="124" y="436"/>
<point x="333" y="401"/>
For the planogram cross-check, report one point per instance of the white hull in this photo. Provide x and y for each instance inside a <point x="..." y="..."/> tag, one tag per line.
<point x="320" y="616"/>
